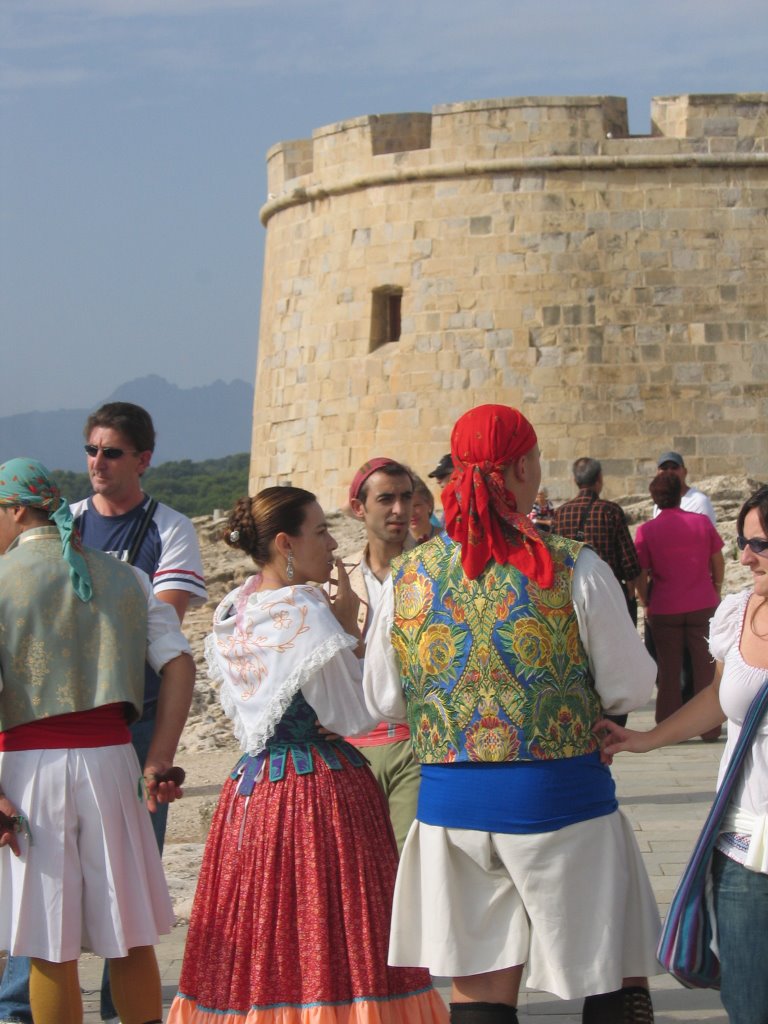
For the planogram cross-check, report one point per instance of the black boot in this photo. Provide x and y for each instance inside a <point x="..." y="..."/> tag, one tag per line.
<point x="625" y="1006"/>
<point x="483" y="1013"/>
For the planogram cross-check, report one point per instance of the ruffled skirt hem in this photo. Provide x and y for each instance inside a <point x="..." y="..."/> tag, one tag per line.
<point x="415" y="1008"/>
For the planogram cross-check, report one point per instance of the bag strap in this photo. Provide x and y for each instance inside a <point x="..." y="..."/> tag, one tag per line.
<point x="141" y="532"/>
<point x="711" y="827"/>
<point x="585" y="517"/>
<point x="754" y="716"/>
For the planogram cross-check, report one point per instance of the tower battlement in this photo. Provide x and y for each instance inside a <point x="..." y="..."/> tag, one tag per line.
<point x="348" y="153"/>
<point x="528" y="251"/>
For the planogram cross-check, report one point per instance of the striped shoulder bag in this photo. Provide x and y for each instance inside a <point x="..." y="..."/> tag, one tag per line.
<point x="684" y="948"/>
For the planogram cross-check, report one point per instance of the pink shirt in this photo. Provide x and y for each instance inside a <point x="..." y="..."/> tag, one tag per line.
<point x="677" y="546"/>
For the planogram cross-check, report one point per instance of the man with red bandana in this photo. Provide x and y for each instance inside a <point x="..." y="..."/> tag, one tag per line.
<point x="501" y="647"/>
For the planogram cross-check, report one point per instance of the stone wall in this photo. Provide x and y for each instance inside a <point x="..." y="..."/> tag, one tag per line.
<point x="613" y="287"/>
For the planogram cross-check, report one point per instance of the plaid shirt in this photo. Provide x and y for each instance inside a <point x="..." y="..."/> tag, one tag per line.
<point x="605" y="529"/>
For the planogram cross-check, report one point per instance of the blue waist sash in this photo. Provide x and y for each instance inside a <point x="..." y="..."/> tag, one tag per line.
<point x="518" y="797"/>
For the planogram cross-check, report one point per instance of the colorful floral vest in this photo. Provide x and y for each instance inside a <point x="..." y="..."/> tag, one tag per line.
<point x="493" y="669"/>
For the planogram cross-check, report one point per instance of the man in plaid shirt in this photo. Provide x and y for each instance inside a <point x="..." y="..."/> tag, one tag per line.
<point x="601" y="524"/>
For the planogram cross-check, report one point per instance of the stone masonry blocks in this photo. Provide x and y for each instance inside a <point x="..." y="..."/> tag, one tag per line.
<point x="531" y="252"/>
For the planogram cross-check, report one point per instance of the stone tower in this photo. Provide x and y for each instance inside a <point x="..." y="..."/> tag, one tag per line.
<point x="526" y="251"/>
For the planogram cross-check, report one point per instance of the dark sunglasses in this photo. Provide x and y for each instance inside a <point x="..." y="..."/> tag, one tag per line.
<point x="108" y="453"/>
<point x="755" y="545"/>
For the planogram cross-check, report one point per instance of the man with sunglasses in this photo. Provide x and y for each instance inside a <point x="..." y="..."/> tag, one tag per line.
<point x="118" y="519"/>
<point x="120" y="440"/>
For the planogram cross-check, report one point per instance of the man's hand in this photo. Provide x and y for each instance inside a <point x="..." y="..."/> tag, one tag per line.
<point x="345" y="603"/>
<point x="8" y="836"/>
<point x="176" y="684"/>
<point x="163" y="784"/>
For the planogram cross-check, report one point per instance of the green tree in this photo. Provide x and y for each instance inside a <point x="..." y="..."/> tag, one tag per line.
<point x="194" y="488"/>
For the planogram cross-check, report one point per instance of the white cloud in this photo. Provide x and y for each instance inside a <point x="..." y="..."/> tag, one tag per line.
<point x="138" y="8"/>
<point x="15" y="78"/>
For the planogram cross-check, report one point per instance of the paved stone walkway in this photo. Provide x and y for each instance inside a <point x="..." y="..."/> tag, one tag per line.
<point x="665" y="794"/>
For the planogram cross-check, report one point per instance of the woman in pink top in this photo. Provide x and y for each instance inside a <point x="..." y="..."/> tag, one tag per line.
<point x="681" y="555"/>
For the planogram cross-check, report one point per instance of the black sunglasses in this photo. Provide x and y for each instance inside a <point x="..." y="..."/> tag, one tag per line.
<point x="108" y="453"/>
<point x="755" y="544"/>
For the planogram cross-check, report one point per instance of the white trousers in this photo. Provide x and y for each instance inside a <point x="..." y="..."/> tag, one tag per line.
<point x="576" y="905"/>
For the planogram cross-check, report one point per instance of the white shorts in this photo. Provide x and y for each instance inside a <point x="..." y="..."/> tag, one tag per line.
<point x="92" y="877"/>
<point x="576" y="905"/>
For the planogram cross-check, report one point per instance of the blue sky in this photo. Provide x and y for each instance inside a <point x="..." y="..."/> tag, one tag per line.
<point x="133" y="135"/>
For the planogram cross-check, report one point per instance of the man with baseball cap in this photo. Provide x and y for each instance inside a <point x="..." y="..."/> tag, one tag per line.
<point x="442" y="471"/>
<point x="693" y="500"/>
<point x="380" y="497"/>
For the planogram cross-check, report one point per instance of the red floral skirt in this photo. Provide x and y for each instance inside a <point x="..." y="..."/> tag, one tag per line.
<point x="290" y="923"/>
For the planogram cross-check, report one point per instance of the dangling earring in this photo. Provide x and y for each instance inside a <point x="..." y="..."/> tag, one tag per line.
<point x="289" y="566"/>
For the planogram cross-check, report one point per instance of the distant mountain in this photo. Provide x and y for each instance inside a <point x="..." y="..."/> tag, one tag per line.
<point x="191" y="423"/>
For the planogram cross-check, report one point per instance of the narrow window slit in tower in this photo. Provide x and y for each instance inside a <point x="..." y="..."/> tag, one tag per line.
<point x="386" y="310"/>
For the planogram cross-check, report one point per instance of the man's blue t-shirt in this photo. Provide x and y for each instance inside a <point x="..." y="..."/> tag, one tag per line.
<point x="169" y="554"/>
<point x="115" y="536"/>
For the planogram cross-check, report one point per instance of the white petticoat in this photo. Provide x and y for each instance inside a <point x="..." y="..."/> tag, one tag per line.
<point x="576" y="905"/>
<point x="92" y="877"/>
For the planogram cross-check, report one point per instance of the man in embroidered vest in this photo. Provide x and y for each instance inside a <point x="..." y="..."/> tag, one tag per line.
<point x="75" y="629"/>
<point x="380" y="497"/>
<point x="120" y="440"/>
<point x="501" y="647"/>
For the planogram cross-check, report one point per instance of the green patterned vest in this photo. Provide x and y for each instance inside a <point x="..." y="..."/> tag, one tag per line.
<point x="59" y="654"/>
<point x="493" y="669"/>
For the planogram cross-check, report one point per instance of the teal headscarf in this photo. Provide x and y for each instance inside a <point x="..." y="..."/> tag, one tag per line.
<point x="27" y="482"/>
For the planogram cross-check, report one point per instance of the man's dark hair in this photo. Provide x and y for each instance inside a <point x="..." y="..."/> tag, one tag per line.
<point x="666" y="489"/>
<point x="391" y="469"/>
<point x="128" y="419"/>
<point x="586" y="471"/>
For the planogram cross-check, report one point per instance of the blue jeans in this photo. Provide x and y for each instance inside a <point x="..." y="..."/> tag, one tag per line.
<point x="14" y="988"/>
<point x="141" y="737"/>
<point x="14" y="991"/>
<point x="741" y="911"/>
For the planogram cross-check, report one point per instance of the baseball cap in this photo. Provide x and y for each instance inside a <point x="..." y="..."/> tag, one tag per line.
<point x="367" y="469"/>
<point x="675" y="457"/>
<point x="443" y="468"/>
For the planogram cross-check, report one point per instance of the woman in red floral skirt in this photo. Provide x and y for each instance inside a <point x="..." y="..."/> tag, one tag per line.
<point x="290" y="923"/>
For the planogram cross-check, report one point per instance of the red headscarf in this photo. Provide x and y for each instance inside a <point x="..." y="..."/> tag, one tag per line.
<point x="480" y="513"/>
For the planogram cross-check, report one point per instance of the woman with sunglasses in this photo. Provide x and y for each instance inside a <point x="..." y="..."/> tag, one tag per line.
<point x="739" y="643"/>
<point x="681" y="555"/>
<point x="290" y="923"/>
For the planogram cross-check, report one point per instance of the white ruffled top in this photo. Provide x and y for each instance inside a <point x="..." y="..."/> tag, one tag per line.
<point x="267" y="645"/>
<point x="740" y="683"/>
